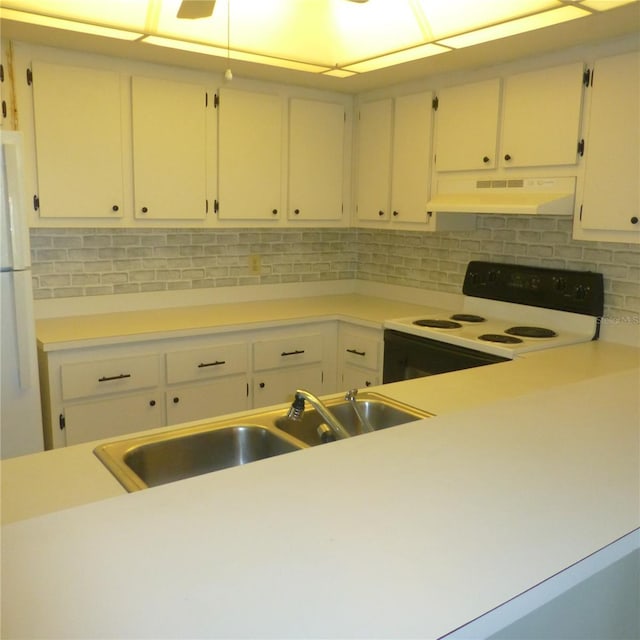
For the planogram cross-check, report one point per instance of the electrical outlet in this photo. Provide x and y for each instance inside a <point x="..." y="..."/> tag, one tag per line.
<point x="254" y="264"/>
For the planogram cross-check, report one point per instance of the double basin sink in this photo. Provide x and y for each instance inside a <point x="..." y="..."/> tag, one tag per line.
<point x="152" y="460"/>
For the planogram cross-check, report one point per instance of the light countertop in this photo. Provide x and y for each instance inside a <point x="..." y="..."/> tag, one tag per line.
<point x="408" y="532"/>
<point x="58" y="333"/>
<point x="528" y="467"/>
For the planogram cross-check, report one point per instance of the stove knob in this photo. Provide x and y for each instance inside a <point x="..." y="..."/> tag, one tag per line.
<point x="560" y="284"/>
<point x="581" y="292"/>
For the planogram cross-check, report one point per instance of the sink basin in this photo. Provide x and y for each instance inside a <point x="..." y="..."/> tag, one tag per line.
<point x="139" y="463"/>
<point x="379" y="411"/>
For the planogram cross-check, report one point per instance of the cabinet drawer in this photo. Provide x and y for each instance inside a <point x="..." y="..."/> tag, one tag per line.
<point x="287" y="352"/>
<point x="359" y="350"/>
<point x="82" y="379"/>
<point x="205" y="363"/>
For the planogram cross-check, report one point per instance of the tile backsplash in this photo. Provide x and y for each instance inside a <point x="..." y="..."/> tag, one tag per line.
<point x="86" y="262"/>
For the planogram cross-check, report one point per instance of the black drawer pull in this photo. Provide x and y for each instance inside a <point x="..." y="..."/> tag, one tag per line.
<point x="356" y="352"/>
<point x="119" y="377"/>
<point x="211" y="364"/>
<point x="292" y="353"/>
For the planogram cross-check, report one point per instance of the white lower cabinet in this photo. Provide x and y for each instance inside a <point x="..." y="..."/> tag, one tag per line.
<point x="359" y="356"/>
<point x="224" y="395"/>
<point x="101" y="392"/>
<point x="111" y="417"/>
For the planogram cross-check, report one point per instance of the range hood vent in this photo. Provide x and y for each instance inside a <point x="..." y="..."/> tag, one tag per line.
<point x="531" y="196"/>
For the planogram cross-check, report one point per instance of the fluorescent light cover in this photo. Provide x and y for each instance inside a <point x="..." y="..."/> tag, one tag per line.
<point x="515" y="27"/>
<point x="278" y="62"/>
<point x="68" y="25"/>
<point x="415" y="53"/>
<point x="185" y="46"/>
<point x="605" y="5"/>
<point x="339" y="73"/>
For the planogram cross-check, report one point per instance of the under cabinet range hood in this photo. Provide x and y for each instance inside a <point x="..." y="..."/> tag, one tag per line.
<point x="532" y="196"/>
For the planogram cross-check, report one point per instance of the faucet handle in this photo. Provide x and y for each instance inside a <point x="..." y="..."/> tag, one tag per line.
<point x="351" y="394"/>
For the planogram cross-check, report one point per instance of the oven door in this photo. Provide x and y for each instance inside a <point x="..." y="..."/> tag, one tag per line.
<point x="407" y="356"/>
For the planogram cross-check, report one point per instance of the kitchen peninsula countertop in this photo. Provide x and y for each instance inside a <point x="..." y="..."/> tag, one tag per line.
<point x="407" y="532"/>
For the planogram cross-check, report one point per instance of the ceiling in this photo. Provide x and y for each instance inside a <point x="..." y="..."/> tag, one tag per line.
<point x="342" y="45"/>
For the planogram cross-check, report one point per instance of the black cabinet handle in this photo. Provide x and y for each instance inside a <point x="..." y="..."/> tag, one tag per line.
<point x="381" y="213"/>
<point x="176" y="400"/>
<point x="115" y="208"/>
<point x="144" y="209"/>
<point x="396" y="214"/>
<point x="297" y="211"/>
<point x="292" y="353"/>
<point x="275" y="212"/>
<point x="486" y="159"/>
<point x="507" y="157"/>
<point x="261" y="385"/>
<point x="118" y="377"/>
<point x="152" y="403"/>
<point x="634" y="220"/>
<point x="356" y="352"/>
<point x="216" y="363"/>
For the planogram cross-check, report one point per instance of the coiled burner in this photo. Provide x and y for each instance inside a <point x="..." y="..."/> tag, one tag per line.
<point x="437" y="324"/>
<point x="499" y="337"/>
<point x="531" y="332"/>
<point x="467" y="317"/>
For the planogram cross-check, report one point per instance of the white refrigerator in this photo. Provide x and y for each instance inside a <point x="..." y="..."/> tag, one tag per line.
<point x="20" y="413"/>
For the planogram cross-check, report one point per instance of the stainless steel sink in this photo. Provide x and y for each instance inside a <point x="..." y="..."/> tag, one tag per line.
<point x="149" y="461"/>
<point x="379" y="411"/>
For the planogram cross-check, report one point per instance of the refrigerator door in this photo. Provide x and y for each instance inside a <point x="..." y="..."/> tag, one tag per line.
<point x="14" y="231"/>
<point x="20" y="413"/>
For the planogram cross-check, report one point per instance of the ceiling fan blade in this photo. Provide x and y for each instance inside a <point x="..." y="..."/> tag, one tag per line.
<point x="193" y="9"/>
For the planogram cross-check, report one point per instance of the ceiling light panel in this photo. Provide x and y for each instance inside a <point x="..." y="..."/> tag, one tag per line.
<point x="451" y="17"/>
<point x="523" y="25"/>
<point x="121" y="14"/>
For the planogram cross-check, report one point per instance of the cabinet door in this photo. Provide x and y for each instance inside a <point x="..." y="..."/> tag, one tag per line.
<point x="411" y="157"/>
<point x="357" y="378"/>
<point x="541" y="121"/>
<point x="374" y="160"/>
<point x="250" y="155"/>
<point x="467" y="126"/>
<point x="276" y="387"/>
<point x="79" y="147"/>
<point x="316" y="151"/>
<point x="611" y="197"/>
<point x="113" y="417"/>
<point x="225" y="395"/>
<point x="169" y="149"/>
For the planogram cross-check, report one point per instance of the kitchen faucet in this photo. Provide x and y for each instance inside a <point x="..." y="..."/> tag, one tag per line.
<point x="296" y="411"/>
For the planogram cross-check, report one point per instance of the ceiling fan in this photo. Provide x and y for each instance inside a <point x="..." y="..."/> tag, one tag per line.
<point x="194" y="9"/>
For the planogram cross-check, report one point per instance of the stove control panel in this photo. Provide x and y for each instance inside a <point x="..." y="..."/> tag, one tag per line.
<point x="559" y="289"/>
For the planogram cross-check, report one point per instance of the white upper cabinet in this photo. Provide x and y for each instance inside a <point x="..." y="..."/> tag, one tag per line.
<point x="250" y="155"/>
<point x="79" y="145"/>
<point x="170" y="150"/>
<point x="531" y="119"/>
<point x="374" y="160"/>
<point x="541" y="121"/>
<point x="467" y="126"/>
<point x="316" y="166"/>
<point x="611" y="197"/>
<point x="411" y="166"/>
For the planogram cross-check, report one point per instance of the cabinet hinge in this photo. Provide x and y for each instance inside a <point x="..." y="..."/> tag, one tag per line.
<point x="1" y="73"/>
<point x="29" y="76"/>
<point x="206" y="98"/>
<point x="61" y="421"/>
<point x="581" y="147"/>
<point x="206" y="206"/>
<point x="216" y="206"/>
<point x="580" y="215"/>
<point x="247" y="389"/>
<point x="587" y="77"/>
<point x="4" y="109"/>
<point x="435" y="103"/>
<point x="36" y="202"/>
<point x="216" y="100"/>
